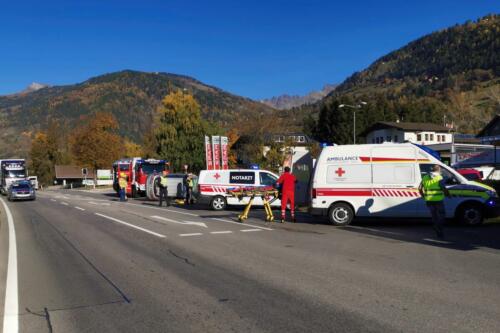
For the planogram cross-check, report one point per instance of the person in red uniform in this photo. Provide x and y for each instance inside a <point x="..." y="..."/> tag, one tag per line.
<point x="287" y="182"/>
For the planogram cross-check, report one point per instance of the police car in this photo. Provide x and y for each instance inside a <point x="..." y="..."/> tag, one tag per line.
<point x="381" y="180"/>
<point x="214" y="184"/>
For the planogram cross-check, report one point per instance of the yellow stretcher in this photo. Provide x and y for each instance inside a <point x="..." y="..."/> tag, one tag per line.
<point x="267" y="195"/>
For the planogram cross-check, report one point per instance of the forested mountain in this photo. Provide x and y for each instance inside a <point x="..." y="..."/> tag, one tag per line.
<point x="286" y="101"/>
<point x="129" y="95"/>
<point x="452" y="76"/>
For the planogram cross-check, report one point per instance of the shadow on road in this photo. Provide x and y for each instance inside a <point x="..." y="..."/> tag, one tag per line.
<point x="417" y="231"/>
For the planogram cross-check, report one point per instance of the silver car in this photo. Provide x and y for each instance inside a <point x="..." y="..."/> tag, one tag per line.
<point x="21" y="191"/>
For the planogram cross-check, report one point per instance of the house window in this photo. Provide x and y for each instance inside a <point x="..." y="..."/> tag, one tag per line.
<point x="302" y="139"/>
<point x="438" y="137"/>
<point x="419" y="137"/>
<point x="388" y="138"/>
<point x="396" y="138"/>
<point x="431" y="136"/>
<point x="443" y="138"/>
<point x="373" y="140"/>
<point x="426" y="137"/>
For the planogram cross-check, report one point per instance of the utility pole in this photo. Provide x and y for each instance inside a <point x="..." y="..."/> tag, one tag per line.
<point x="353" y="107"/>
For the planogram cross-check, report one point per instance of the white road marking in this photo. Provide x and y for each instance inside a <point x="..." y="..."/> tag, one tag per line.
<point x="200" y="224"/>
<point x="221" y="232"/>
<point x="100" y="204"/>
<point x="79" y="208"/>
<point x="250" y="230"/>
<point x="239" y="223"/>
<point x="11" y="307"/>
<point x="131" y="225"/>
<point x="193" y="234"/>
<point x="374" y="230"/>
<point x="162" y="209"/>
<point x="64" y="203"/>
<point x="53" y="200"/>
<point x="436" y="241"/>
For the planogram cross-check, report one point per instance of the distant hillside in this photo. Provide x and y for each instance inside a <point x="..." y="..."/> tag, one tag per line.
<point x="452" y="75"/>
<point x="291" y="101"/>
<point x="130" y="95"/>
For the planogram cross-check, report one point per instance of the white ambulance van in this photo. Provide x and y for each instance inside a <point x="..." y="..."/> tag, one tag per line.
<point x="382" y="180"/>
<point x="213" y="186"/>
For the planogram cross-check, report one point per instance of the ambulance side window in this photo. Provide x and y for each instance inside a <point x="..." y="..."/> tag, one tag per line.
<point x="267" y="179"/>
<point x="394" y="173"/>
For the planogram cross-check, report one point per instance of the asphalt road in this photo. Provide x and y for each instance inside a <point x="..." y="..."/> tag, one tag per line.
<point x="87" y="263"/>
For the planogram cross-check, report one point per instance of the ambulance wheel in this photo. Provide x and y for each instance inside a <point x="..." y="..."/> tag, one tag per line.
<point x="470" y="214"/>
<point x="340" y="214"/>
<point x="218" y="203"/>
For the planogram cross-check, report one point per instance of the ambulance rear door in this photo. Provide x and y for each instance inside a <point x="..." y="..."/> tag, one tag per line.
<point x="395" y="181"/>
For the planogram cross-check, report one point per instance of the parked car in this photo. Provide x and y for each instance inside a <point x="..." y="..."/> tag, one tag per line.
<point x="471" y="174"/>
<point x="21" y="190"/>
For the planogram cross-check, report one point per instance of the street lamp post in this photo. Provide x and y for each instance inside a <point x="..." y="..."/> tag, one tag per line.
<point x="353" y="107"/>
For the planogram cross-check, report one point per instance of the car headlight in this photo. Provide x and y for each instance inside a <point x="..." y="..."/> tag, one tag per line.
<point x="492" y="194"/>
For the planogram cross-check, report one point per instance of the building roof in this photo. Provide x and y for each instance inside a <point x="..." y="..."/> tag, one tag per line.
<point x="410" y="127"/>
<point x="71" y="172"/>
<point x="489" y="126"/>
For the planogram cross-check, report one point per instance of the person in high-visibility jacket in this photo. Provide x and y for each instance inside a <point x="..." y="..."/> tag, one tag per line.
<point x="163" y="185"/>
<point x="433" y="190"/>
<point x="122" y="183"/>
<point x="189" y="189"/>
<point x="287" y="182"/>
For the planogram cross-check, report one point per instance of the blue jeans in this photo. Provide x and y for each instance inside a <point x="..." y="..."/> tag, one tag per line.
<point x="122" y="194"/>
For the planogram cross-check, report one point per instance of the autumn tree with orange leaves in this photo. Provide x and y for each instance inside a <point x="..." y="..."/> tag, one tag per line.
<point x="96" y="143"/>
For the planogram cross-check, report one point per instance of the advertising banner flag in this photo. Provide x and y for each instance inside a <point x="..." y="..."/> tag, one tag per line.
<point x="224" y="153"/>
<point x="216" y="151"/>
<point x="208" y="154"/>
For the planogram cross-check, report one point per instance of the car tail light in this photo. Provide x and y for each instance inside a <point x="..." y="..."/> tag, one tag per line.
<point x="313" y="193"/>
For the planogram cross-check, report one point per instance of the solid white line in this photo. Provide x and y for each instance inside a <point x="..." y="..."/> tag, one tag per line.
<point x="64" y="203"/>
<point x="11" y="309"/>
<point x="201" y="224"/>
<point x="250" y="230"/>
<point x="131" y="225"/>
<point x="162" y="209"/>
<point x="239" y="223"/>
<point x="221" y="232"/>
<point x="79" y="208"/>
<point x="193" y="234"/>
<point x="53" y="200"/>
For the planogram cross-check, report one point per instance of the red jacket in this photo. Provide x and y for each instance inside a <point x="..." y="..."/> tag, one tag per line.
<point x="288" y="182"/>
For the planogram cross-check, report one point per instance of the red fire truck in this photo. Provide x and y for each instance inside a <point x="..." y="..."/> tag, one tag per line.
<point x="137" y="171"/>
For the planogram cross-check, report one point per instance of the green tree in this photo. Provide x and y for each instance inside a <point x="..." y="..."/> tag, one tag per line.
<point x="179" y="134"/>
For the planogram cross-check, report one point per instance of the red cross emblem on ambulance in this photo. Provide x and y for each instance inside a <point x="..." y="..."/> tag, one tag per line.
<point x="217" y="176"/>
<point x="340" y="172"/>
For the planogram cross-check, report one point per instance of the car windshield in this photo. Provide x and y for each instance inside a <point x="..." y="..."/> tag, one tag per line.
<point x="21" y="186"/>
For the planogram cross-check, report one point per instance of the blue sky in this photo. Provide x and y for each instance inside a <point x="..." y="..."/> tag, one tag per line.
<point x="251" y="48"/>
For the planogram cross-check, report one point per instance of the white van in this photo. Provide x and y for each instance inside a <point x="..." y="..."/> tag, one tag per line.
<point x="382" y="180"/>
<point x="213" y="186"/>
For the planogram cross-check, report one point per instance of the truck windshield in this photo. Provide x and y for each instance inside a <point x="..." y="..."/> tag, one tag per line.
<point x="14" y="174"/>
<point x="152" y="168"/>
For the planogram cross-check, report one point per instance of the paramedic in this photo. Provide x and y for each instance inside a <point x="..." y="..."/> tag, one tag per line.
<point x="433" y="190"/>
<point x="122" y="183"/>
<point x="163" y="185"/>
<point x="287" y="182"/>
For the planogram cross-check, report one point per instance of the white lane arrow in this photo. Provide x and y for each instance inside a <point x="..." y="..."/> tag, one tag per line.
<point x="201" y="224"/>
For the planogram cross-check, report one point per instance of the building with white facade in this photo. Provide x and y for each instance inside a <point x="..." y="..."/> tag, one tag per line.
<point x="398" y="132"/>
